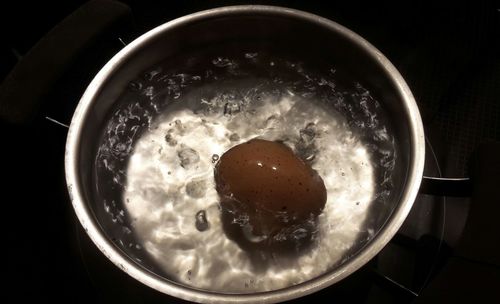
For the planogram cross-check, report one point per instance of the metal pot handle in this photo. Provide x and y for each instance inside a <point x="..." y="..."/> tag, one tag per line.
<point x="445" y="186"/>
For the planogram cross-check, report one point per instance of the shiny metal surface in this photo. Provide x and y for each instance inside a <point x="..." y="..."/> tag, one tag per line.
<point x="446" y="186"/>
<point x="313" y="39"/>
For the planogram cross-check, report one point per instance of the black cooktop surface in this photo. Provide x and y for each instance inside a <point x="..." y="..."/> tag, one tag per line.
<point x="447" y="53"/>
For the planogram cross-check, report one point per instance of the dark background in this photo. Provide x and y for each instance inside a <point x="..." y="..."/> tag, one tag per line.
<point x="447" y="52"/>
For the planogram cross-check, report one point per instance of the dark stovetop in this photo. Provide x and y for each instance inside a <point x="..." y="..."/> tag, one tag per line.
<point x="447" y="54"/>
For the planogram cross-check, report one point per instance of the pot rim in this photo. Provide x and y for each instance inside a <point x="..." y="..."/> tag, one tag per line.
<point x="141" y="274"/>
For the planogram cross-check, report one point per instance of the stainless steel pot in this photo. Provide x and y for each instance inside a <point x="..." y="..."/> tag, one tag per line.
<point x="314" y="40"/>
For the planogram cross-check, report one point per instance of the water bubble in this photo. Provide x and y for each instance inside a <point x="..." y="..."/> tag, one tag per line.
<point x="231" y="108"/>
<point x="308" y="134"/>
<point x="221" y="62"/>
<point x="179" y="126"/>
<point x="324" y="82"/>
<point x="306" y="146"/>
<point x="310" y="158"/>
<point x="299" y="234"/>
<point x="272" y="122"/>
<point x="251" y="55"/>
<point x="196" y="188"/>
<point x="182" y="77"/>
<point x="135" y="86"/>
<point x="188" y="157"/>
<point x="215" y="158"/>
<point x="201" y="222"/>
<point x="234" y="137"/>
<point x="151" y="74"/>
<point x="149" y="91"/>
<point x="121" y="147"/>
<point x="169" y="138"/>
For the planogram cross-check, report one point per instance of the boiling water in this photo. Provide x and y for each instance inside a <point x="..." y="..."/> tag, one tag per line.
<point x="167" y="178"/>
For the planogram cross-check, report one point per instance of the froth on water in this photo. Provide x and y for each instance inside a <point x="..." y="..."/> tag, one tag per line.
<point x="163" y="145"/>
